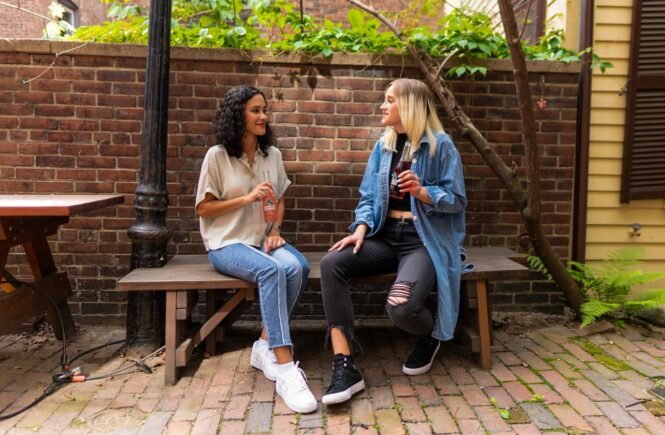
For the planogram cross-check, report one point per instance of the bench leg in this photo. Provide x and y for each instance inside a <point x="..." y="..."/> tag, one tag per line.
<point x="173" y="331"/>
<point x="484" y="325"/>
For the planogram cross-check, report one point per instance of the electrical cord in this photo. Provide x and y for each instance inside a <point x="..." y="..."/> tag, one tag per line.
<point x="9" y="278"/>
<point x="68" y="374"/>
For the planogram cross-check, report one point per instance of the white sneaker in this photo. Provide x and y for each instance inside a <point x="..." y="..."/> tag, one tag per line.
<point x="292" y="388"/>
<point x="264" y="359"/>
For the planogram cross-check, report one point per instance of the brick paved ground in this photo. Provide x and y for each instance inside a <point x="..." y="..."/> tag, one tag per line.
<point x="548" y="380"/>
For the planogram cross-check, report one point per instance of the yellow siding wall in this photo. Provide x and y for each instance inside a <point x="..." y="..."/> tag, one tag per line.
<point x="608" y="221"/>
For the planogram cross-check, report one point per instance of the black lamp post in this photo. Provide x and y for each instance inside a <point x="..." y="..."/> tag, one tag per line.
<point x="149" y="234"/>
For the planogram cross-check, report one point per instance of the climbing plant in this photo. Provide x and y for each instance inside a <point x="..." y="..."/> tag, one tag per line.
<point x="278" y="26"/>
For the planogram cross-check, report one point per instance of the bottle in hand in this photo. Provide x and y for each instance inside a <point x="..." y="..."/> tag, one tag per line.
<point x="404" y="164"/>
<point x="269" y="203"/>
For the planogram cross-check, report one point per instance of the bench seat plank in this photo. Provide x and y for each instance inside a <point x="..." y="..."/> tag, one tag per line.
<point x="188" y="272"/>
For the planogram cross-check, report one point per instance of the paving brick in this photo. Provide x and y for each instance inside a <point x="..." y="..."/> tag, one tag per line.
<point x="264" y="390"/>
<point x="336" y="424"/>
<point x="375" y="377"/>
<point x="540" y="416"/>
<point x="618" y="415"/>
<point x="382" y="397"/>
<point x="427" y="394"/>
<point x="458" y="407"/>
<point x="155" y="423"/>
<point x="645" y="369"/>
<point x="635" y="390"/>
<point x="445" y="385"/>
<point x="491" y="419"/>
<point x="282" y="424"/>
<point x="259" y="417"/>
<point x="474" y="395"/>
<point x="509" y="358"/>
<point x="237" y="407"/>
<point x="609" y="388"/>
<point x="526" y="375"/>
<point x="362" y="412"/>
<point x="526" y="429"/>
<point x="124" y="400"/>
<point x="401" y="386"/>
<point x="545" y="342"/>
<point x="411" y="410"/>
<point x="313" y="420"/>
<point x="653" y="424"/>
<point x="460" y="376"/>
<point x="603" y="370"/>
<point x="548" y="395"/>
<point x="648" y="359"/>
<point x="650" y="349"/>
<point x="578" y="352"/>
<point x="232" y="426"/>
<point x="389" y="422"/>
<point x="470" y="427"/>
<point x="622" y="342"/>
<point x="565" y="369"/>
<point x="207" y="421"/>
<point x="501" y="372"/>
<point x="216" y="395"/>
<point x="519" y="392"/>
<point x="602" y="425"/>
<point x="483" y="378"/>
<point x="188" y="408"/>
<point x="503" y="399"/>
<point x="573" y="361"/>
<point x="418" y="429"/>
<point x="590" y="390"/>
<point x="441" y="420"/>
<point x="569" y="418"/>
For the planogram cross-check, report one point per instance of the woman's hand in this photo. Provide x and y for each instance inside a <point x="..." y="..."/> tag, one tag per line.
<point x="409" y="181"/>
<point x="272" y="242"/>
<point x="259" y="192"/>
<point x="356" y="239"/>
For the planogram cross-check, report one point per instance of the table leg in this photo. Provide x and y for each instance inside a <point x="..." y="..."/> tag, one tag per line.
<point x="42" y="265"/>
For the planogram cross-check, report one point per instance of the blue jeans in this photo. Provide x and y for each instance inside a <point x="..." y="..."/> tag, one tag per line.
<point x="281" y="277"/>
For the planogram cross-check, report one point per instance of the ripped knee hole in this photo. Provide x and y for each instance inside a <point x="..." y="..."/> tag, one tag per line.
<point x="400" y="293"/>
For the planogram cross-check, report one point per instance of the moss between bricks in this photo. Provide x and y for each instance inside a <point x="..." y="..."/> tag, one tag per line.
<point x="599" y="354"/>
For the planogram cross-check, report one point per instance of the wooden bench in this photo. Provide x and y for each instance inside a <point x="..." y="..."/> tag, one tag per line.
<point x="184" y="275"/>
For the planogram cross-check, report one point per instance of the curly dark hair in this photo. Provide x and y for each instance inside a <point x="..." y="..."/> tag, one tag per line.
<point x="230" y="121"/>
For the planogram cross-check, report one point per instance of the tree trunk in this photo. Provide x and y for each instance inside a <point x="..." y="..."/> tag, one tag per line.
<point x="527" y="203"/>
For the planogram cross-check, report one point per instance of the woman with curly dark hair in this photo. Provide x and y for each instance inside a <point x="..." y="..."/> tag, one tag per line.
<point x="241" y="179"/>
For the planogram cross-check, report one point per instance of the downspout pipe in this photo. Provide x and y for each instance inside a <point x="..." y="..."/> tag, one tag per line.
<point x="581" y="182"/>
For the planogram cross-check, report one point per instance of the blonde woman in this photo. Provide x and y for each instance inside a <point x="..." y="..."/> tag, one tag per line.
<point x="419" y="236"/>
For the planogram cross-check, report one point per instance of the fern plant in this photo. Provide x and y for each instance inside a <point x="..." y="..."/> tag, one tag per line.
<point x="607" y="287"/>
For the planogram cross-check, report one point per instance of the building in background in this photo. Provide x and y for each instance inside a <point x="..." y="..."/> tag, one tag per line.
<point x="24" y="19"/>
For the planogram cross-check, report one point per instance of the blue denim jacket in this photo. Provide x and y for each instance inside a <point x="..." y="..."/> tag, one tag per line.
<point x="439" y="225"/>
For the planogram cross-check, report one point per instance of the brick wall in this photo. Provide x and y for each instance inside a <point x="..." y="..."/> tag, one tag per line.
<point x="76" y="128"/>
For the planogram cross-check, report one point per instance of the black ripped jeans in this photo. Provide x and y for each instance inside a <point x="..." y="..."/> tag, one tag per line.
<point x="397" y="247"/>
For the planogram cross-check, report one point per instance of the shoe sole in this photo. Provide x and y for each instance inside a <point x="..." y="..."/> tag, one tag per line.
<point x="343" y="396"/>
<point x="257" y="364"/>
<point x="424" y="369"/>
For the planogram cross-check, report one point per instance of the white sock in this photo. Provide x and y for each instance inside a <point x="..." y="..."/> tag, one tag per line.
<point x="263" y="342"/>
<point x="284" y="368"/>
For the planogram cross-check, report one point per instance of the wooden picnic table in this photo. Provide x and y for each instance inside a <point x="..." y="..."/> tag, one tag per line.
<point x="28" y="220"/>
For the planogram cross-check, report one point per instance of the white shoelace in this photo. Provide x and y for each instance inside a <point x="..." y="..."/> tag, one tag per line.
<point x="297" y="379"/>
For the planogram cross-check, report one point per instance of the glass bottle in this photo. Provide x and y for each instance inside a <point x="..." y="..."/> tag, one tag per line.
<point x="269" y="201"/>
<point x="404" y="164"/>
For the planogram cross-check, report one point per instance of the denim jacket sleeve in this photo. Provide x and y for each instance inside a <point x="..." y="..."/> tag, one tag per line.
<point x="368" y="190"/>
<point x="446" y="188"/>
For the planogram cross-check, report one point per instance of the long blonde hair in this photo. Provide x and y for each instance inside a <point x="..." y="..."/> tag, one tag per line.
<point x="417" y="111"/>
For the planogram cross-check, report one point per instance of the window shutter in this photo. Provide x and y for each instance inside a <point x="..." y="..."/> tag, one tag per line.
<point x="643" y="175"/>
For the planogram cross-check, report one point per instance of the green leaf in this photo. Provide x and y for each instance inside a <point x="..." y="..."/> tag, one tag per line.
<point x="356" y="18"/>
<point x="239" y="30"/>
<point x="504" y="413"/>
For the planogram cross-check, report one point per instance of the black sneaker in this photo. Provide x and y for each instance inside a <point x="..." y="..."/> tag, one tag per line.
<point x="346" y="380"/>
<point x="420" y="360"/>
